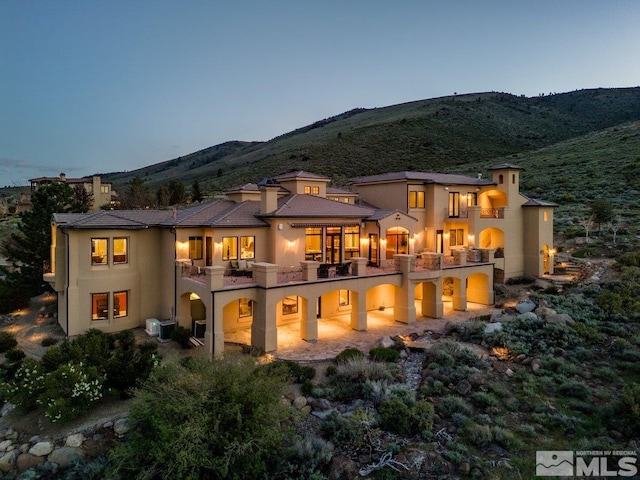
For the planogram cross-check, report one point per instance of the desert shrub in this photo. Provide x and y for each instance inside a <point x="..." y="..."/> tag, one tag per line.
<point x="505" y="438"/>
<point x="478" y="435"/>
<point x="14" y="355"/>
<point x="384" y="354"/>
<point x="350" y="429"/>
<point x="224" y="417"/>
<point x="467" y="331"/>
<point x="7" y="341"/>
<point x="350" y="376"/>
<point x="26" y="386"/>
<point x="348" y="354"/>
<point x="485" y="399"/>
<point x="304" y="459"/>
<point x="451" y="404"/>
<point x="292" y="370"/>
<point x="406" y="416"/>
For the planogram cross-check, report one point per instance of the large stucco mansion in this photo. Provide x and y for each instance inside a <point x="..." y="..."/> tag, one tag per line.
<point x="292" y="251"/>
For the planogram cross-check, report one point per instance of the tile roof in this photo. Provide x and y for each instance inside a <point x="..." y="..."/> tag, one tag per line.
<point x="341" y="191"/>
<point x="126" y="219"/>
<point x="380" y="214"/>
<point x="506" y="166"/>
<point x="436" y="178"/>
<point x="534" y="202"/>
<point x="297" y="205"/>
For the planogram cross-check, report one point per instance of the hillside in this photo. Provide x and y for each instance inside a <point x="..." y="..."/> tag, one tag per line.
<point x="447" y="134"/>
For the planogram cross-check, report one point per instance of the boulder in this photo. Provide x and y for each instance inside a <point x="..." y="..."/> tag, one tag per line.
<point x="544" y="312"/>
<point x="496" y="316"/>
<point x="25" y="461"/>
<point x="525" y="306"/>
<point x="492" y="327"/>
<point x="561" y="319"/>
<point x="74" y="440"/>
<point x="299" y="402"/>
<point x="321" y="404"/>
<point x="65" y="456"/>
<point x="343" y="467"/>
<point x="463" y="387"/>
<point x="508" y="317"/>
<point x="508" y="372"/>
<point x="41" y="449"/>
<point x="4" y="445"/>
<point x="121" y="426"/>
<point x="387" y="342"/>
<point x="527" y="316"/>
<point x="8" y="461"/>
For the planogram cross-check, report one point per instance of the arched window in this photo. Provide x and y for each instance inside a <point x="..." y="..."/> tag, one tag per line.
<point x="500" y="178"/>
<point x="397" y="241"/>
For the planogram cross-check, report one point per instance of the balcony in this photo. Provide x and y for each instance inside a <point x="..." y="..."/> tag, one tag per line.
<point x="492" y="212"/>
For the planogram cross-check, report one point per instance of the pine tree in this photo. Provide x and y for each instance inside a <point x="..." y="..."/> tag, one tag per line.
<point x="196" y="194"/>
<point x="29" y="247"/>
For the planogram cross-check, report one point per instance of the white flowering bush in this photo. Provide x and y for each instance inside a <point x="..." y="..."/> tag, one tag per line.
<point x="26" y="386"/>
<point x="70" y="391"/>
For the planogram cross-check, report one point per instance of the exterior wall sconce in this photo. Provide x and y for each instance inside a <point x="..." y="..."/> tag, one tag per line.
<point x="280" y="226"/>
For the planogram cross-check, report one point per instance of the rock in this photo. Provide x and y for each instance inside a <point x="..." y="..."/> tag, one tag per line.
<point x="464" y="468"/>
<point x="527" y="361"/>
<point x="41" y="449"/>
<point x="4" y="445"/>
<point x="500" y="289"/>
<point x="496" y="315"/>
<point x="306" y="409"/>
<point x="387" y="342"/>
<point x="561" y="319"/>
<point x="493" y="327"/>
<point x="34" y="439"/>
<point x="508" y="317"/>
<point x="403" y="354"/>
<point x="121" y="426"/>
<point x="8" y="461"/>
<point x="299" y="402"/>
<point x="527" y="316"/>
<point x="521" y="358"/>
<point x="342" y="467"/>
<point x="323" y="414"/>
<point x="74" y="440"/>
<point x="544" y="312"/>
<point x="65" y="456"/>
<point x="321" y="404"/>
<point x="463" y="387"/>
<point x="107" y="425"/>
<point x="508" y="372"/>
<point x="291" y="396"/>
<point x="6" y="408"/>
<point x="525" y="306"/>
<point x="25" y="461"/>
<point x="535" y="364"/>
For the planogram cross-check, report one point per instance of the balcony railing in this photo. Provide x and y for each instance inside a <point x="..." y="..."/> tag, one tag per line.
<point x="492" y="212"/>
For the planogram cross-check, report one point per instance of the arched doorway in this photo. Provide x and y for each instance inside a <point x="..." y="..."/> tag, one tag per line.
<point x="397" y="240"/>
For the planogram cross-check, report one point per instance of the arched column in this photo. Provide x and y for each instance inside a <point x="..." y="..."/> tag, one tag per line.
<point x="264" y="333"/>
<point x="459" y="298"/>
<point x="432" y="299"/>
<point x="405" y="297"/>
<point x="308" y="320"/>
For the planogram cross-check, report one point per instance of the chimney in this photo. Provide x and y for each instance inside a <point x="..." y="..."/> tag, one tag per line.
<point x="63" y="177"/>
<point x="268" y="195"/>
<point x="479" y="176"/>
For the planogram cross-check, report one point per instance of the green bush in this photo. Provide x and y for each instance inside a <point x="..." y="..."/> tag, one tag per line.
<point x="217" y="418"/>
<point x="48" y="341"/>
<point x="478" y="435"/>
<point x="348" y="381"/>
<point x="383" y="354"/>
<point x="349" y="354"/>
<point x="292" y="370"/>
<point x="574" y="389"/>
<point x="181" y="335"/>
<point x="14" y="355"/>
<point x="7" y="341"/>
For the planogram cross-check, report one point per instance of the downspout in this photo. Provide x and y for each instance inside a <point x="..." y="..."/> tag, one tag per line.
<point x="66" y="288"/>
<point x="175" y="272"/>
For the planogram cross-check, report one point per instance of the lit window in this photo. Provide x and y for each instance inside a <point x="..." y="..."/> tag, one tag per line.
<point x="247" y="247"/>
<point x="104" y="189"/>
<point x="472" y="199"/>
<point x="307" y="190"/>
<point x="316" y="190"/>
<point x="229" y="248"/>
<point x="195" y="248"/>
<point x="99" y="251"/>
<point x="313" y="244"/>
<point x="351" y="242"/>
<point x="245" y="308"/>
<point x="344" y="298"/>
<point x="397" y="241"/>
<point x="120" y="304"/>
<point x="290" y="305"/>
<point x="100" y="306"/>
<point x="456" y="237"/>
<point x="345" y="199"/>
<point x="545" y="216"/>
<point x="454" y="204"/>
<point x="416" y="199"/>
<point x="120" y="250"/>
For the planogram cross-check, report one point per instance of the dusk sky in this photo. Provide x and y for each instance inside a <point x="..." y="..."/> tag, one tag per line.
<point x="102" y="86"/>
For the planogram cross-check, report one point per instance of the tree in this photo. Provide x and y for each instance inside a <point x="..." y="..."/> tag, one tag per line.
<point x="82" y="199"/>
<point x="136" y="195"/>
<point x="196" y="193"/>
<point x="587" y="224"/>
<point x="177" y="193"/>
<point x="601" y="211"/>
<point x="614" y="226"/>
<point x="162" y="196"/>
<point x="29" y="247"/>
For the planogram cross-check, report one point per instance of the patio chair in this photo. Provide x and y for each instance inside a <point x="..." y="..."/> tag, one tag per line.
<point x="323" y="270"/>
<point x="342" y="270"/>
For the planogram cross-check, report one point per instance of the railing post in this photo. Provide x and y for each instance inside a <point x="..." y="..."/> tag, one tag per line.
<point x="309" y="270"/>
<point x="215" y="274"/>
<point x="459" y="257"/>
<point x="358" y="266"/>
<point x="265" y="274"/>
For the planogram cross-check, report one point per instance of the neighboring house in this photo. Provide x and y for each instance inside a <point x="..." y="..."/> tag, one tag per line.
<point x="102" y="192"/>
<point x="283" y="252"/>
